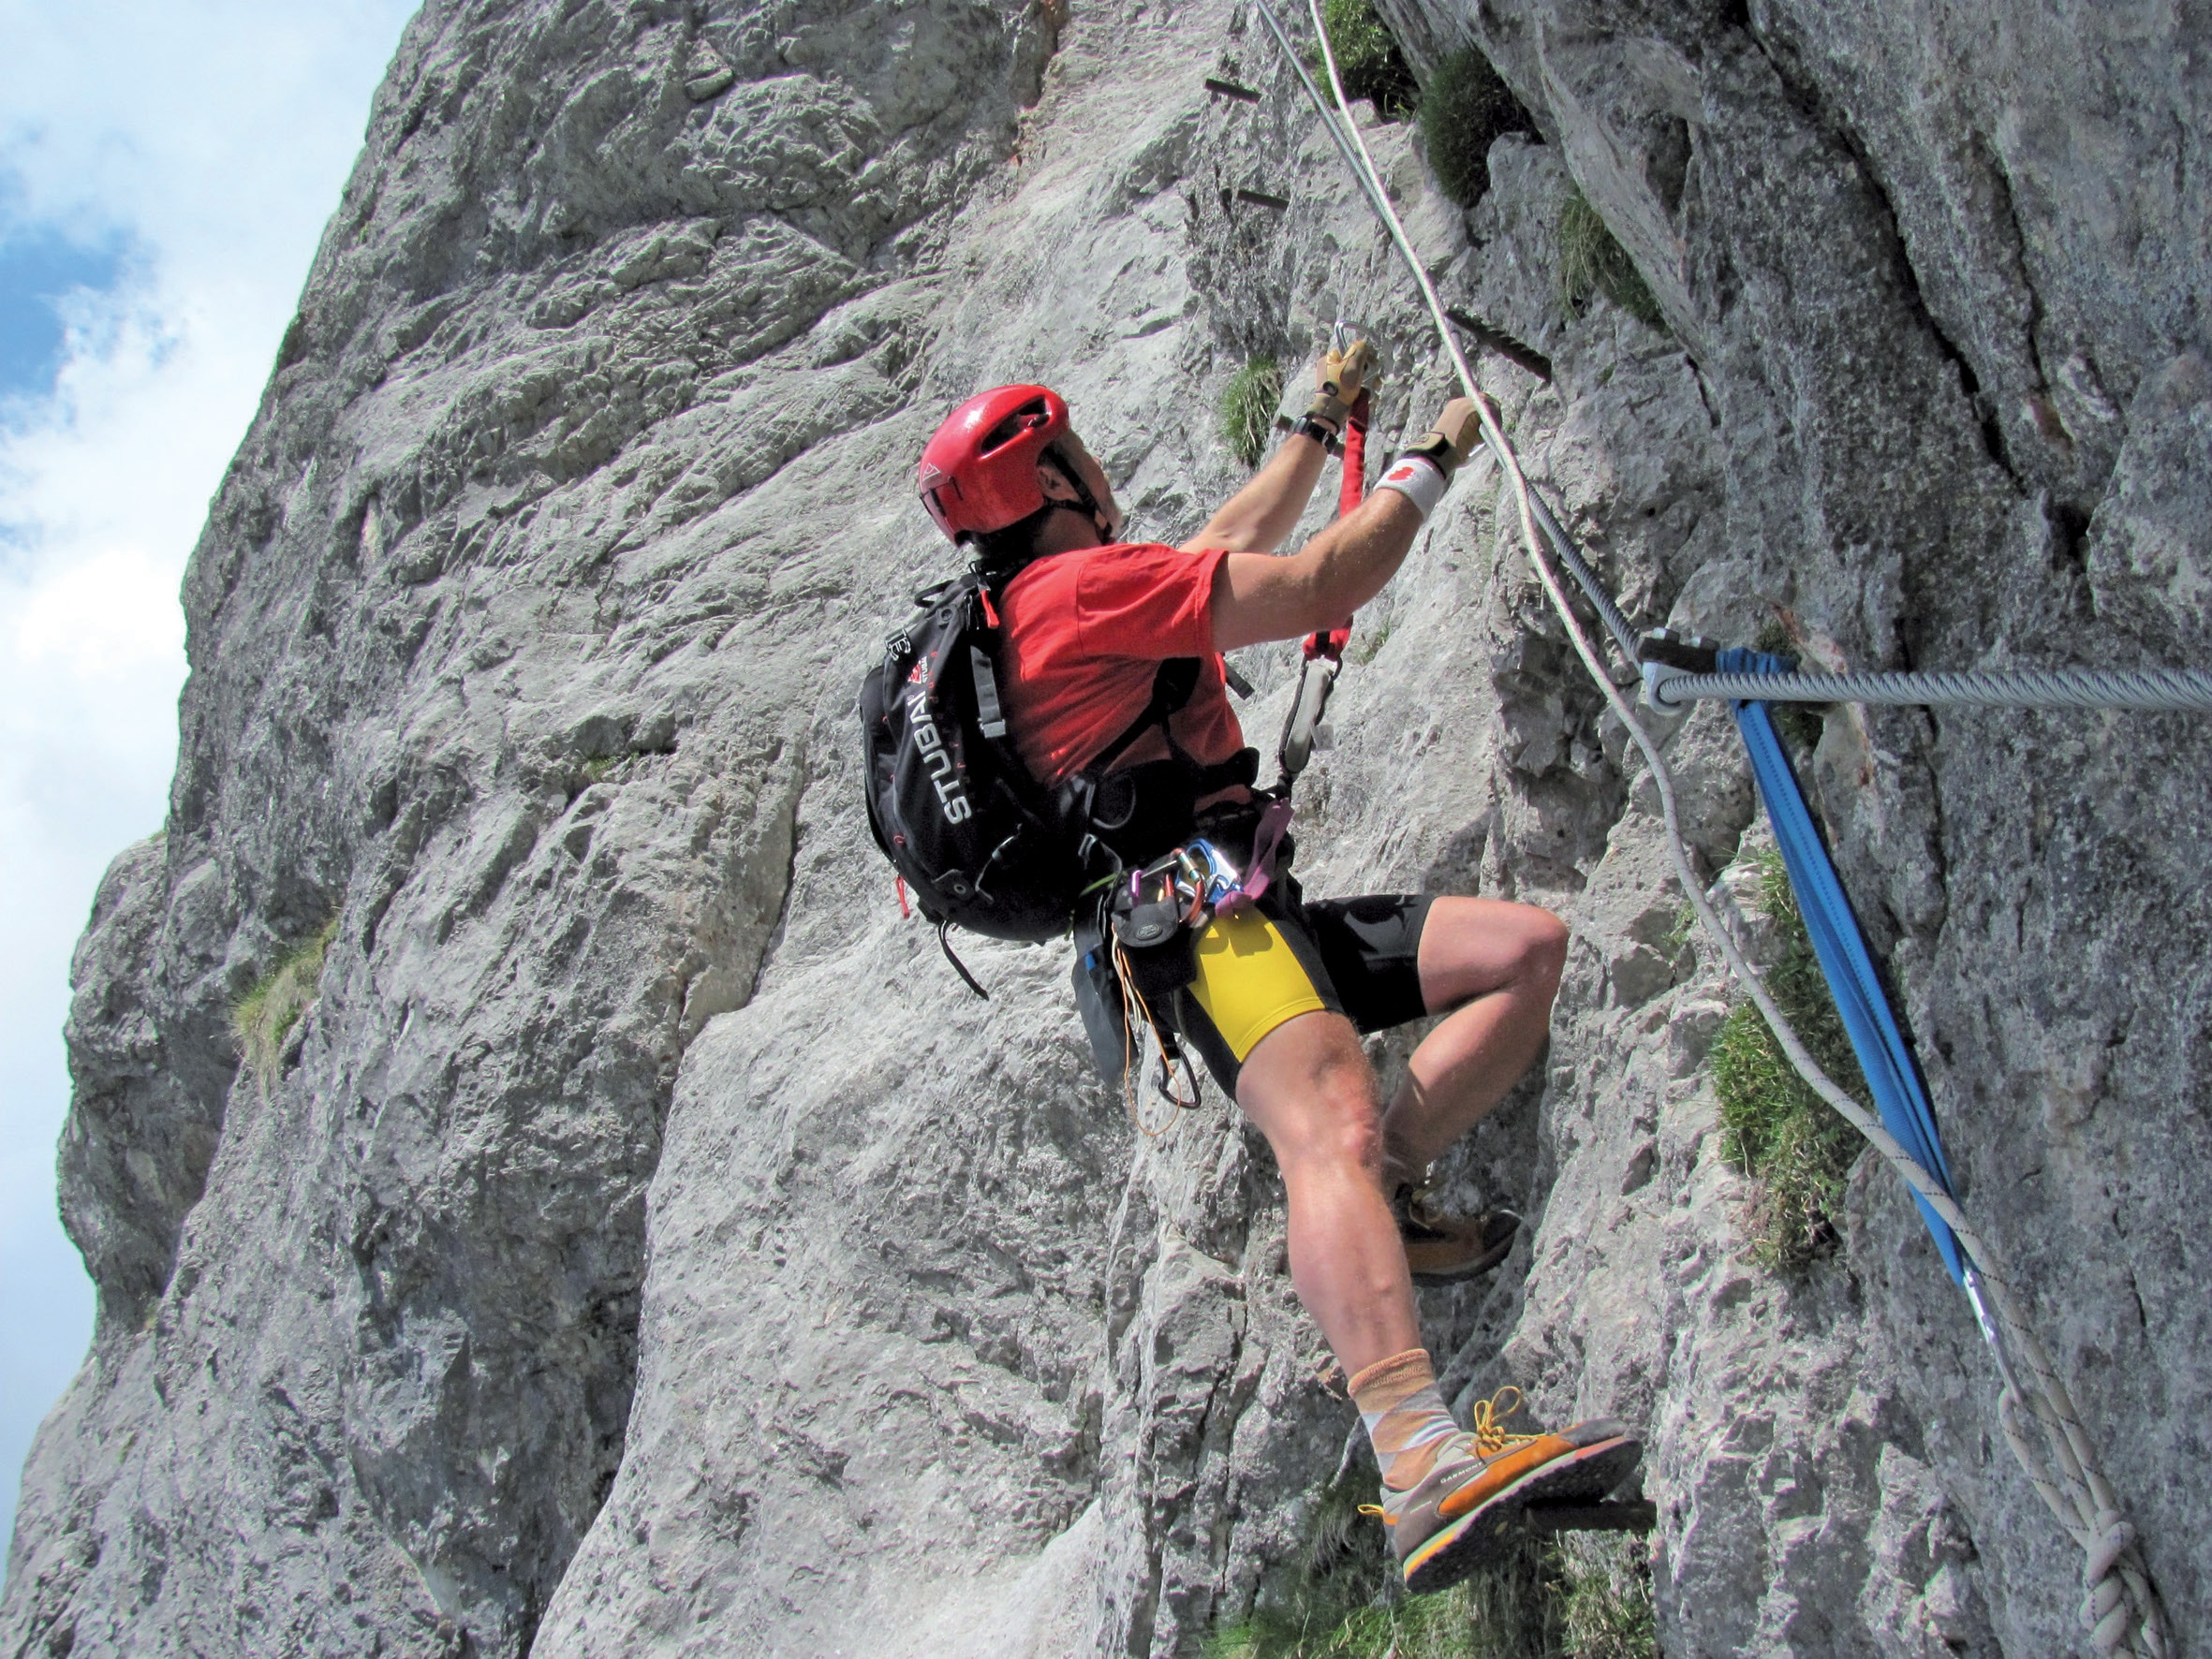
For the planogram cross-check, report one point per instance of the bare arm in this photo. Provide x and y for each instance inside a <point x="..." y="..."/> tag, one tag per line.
<point x="1258" y="516"/>
<point x="1258" y="597"/>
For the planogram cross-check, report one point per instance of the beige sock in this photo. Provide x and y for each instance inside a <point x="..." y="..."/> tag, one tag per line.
<point x="1406" y="1422"/>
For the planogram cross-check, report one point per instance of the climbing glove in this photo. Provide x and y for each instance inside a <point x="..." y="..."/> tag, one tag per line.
<point x="1454" y="438"/>
<point x="1338" y="377"/>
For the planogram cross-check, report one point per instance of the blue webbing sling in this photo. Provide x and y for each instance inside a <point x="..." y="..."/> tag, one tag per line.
<point x="1891" y="1073"/>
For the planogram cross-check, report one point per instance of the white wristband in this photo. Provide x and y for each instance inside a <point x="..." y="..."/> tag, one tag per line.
<point x="1419" y="479"/>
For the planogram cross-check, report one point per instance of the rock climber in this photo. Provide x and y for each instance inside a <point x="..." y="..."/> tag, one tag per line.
<point x="1279" y="992"/>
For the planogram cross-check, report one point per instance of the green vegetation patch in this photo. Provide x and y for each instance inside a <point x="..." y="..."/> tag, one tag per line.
<point x="1346" y="1571"/>
<point x="1465" y="108"/>
<point x="1592" y="262"/>
<point x="1368" y="58"/>
<point x="1587" y="1596"/>
<point x="1248" y="405"/>
<point x="1419" y="1627"/>
<point x="264" y="1016"/>
<point x="1774" y="1128"/>
<point x="1606" y="1606"/>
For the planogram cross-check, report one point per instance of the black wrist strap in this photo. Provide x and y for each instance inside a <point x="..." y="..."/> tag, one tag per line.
<point x="1435" y="447"/>
<point x="1317" y="429"/>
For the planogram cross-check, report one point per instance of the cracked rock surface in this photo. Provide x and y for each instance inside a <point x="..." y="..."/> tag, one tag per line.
<point x="646" y="1246"/>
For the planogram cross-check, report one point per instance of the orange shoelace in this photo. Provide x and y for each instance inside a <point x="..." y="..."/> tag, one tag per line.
<point x="1490" y="1440"/>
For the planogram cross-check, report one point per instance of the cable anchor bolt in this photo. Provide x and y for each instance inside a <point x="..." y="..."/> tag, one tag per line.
<point x="1663" y="655"/>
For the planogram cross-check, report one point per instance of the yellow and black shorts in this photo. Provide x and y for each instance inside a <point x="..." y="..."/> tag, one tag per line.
<point x="1271" y="962"/>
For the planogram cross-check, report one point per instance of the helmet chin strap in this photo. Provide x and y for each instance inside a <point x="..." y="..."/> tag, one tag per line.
<point x="1085" y="502"/>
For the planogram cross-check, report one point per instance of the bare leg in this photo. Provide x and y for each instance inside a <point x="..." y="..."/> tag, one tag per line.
<point x="1497" y="966"/>
<point x="1308" y="1087"/>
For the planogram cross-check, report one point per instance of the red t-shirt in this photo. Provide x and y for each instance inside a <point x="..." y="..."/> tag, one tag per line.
<point x="1086" y="631"/>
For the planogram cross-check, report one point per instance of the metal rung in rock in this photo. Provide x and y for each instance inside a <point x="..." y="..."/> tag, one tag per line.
<point x="1629" y="1516"/>
<point x="1514" y="351"/>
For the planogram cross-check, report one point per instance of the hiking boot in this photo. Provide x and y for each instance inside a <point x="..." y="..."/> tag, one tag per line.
<point x="1468" y="1512"/>
<point x="1446" y="1249"/>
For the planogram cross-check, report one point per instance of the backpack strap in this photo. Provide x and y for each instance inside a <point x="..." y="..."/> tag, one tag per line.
<point x="1172" y="687"/>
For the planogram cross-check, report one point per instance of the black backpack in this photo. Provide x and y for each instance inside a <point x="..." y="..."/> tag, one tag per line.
<point x="979" y="842"/>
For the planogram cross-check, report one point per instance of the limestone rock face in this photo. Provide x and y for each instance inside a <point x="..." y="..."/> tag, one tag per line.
<point x="645" y="1244"/>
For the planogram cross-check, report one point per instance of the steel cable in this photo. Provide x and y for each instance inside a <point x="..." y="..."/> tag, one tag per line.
<point x="1986" y="688"/>
<point x="1369" y="183"/>
<point x="2120" y="1609"/>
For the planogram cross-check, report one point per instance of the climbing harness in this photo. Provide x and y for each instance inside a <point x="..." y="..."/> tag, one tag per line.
<point x="2120" y="1609"/>
<point x="1136" y="950"/>
<point x="1148" y="916"/>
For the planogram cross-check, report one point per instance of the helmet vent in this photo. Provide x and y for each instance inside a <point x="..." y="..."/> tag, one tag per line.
<point x="1028" y="419"/>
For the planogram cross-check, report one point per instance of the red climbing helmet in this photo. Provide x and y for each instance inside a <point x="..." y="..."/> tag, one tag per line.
<point x="978" y="473"/>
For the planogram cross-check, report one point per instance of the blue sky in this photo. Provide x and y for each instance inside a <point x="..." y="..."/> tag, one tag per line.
<point x="165" y="173"/>
<point x="41" y="268"/>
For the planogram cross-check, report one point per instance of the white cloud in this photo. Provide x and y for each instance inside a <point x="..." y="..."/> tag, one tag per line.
<point x="102" y="618"/>
<point x="213" y="138"/>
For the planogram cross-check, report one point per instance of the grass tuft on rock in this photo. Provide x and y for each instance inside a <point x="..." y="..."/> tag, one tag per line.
<point x="1248" y="408"/>
<point x="1584" y="1597"/>
<point x="1419" y="1627"/>
<point x="264" y="1016"/>
<point x="1774" y="1128"/>
<point x="1344" y="1570"/>
<point x="1591" y="262"/>
<point x="1465" y="108"/>
<point x="1605" y="1605"/>
<point x="1368" y="58"/>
